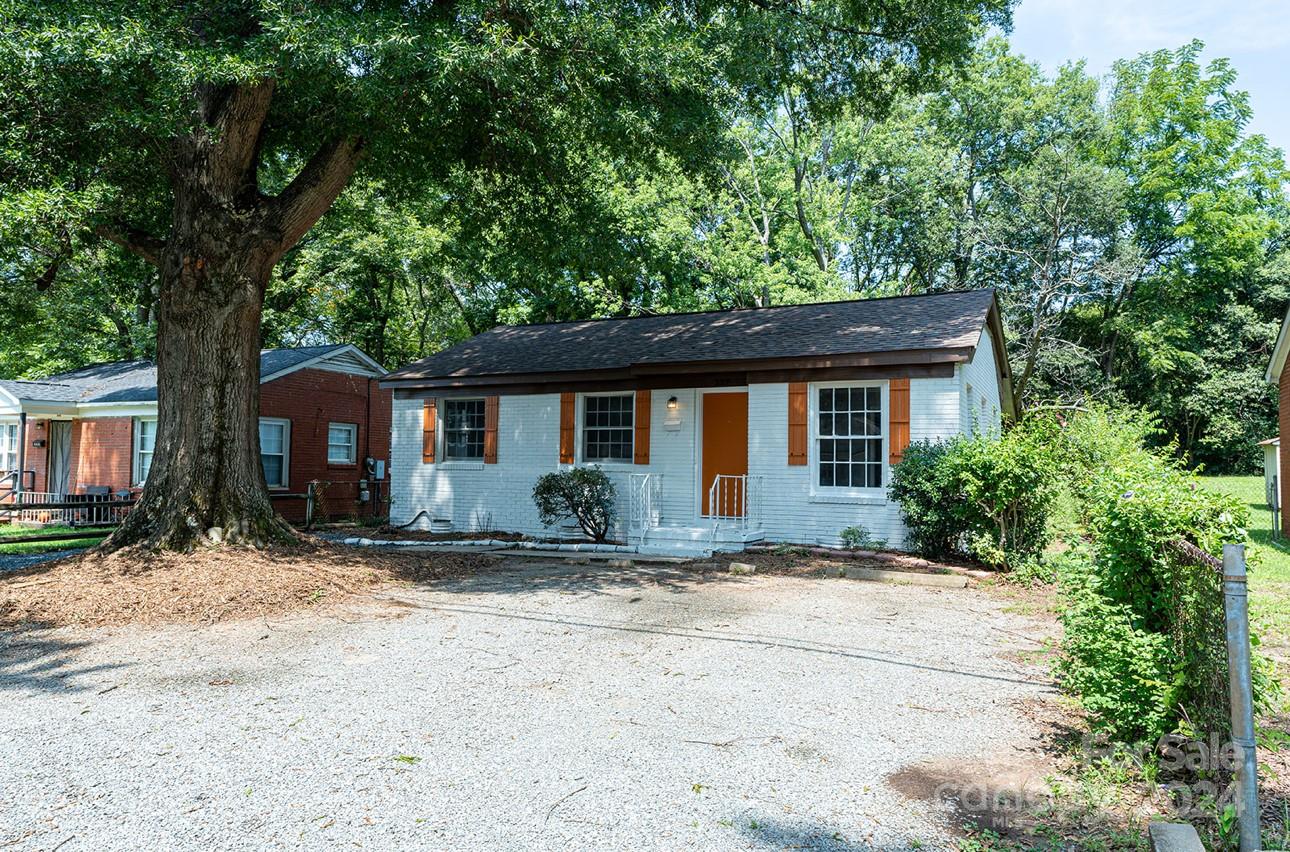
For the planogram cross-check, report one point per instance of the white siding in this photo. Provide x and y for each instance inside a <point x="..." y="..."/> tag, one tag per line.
<point x="790" y="511"/>
<point x="475" y="495"/>
<point x="981" y="375"/>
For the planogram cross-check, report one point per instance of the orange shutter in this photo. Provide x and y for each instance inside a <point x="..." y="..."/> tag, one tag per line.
<point x="566" y="428"/>
<point x="427" y="431"/>
<point x="899" y="393"/>
<point x="797" y="423"/>
<point x="641" y="451"/>
<point x="490" y="430"/>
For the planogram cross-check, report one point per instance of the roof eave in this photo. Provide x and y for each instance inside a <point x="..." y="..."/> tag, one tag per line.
<point x="1279" y="352"/>
<point x="907" y="357"/>
<point x="373" y="365"/>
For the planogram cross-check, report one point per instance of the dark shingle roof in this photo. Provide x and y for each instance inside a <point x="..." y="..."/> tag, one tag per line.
<point x="135" y="381"/>
<point x="950" y="322"/>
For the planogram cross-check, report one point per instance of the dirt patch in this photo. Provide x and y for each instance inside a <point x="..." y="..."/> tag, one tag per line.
<point x="793" y="562"/>
<point x="981" y="796"/>
<point x="139" y="587"/>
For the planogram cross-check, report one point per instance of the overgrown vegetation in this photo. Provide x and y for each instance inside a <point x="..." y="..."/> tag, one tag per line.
<point x="986" y="498"/>
<point x="1143" y="627"/>
<point x="582" y="493"/>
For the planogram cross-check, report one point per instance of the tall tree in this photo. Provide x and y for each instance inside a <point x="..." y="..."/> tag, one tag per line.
<point x="207" y="138"/>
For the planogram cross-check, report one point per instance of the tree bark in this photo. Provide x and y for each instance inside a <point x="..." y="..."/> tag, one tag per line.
<point x="206" y="484"/>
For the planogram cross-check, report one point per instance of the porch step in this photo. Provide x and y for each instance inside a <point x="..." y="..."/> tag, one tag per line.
<point x="683" y="535"/>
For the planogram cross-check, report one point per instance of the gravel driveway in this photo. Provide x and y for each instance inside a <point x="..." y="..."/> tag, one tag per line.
<point x="547" y="707"/>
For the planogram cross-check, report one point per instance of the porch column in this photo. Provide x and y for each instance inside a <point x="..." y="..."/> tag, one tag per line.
<point x="22" y="451"/>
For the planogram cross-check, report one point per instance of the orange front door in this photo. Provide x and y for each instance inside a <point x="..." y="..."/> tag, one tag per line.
<point x="725" y="450"/>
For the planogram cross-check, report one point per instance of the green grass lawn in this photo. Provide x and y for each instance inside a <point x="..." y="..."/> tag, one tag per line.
<point x="1269" y="565"/>
<point x="12" y="531"/>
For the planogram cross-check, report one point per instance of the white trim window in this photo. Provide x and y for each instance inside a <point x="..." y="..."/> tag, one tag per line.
<point x="145" y="441"/>
<point x="275" y="450"/>
<point x="849" y="437"/>
<point x="608" y="427"/>
<point x="342" y="443"/>
<point x="463" y="429"/>
<point x="8" y="447"/>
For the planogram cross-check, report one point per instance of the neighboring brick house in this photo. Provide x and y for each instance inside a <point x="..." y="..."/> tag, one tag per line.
<point x="717" y="428"/>
<point x="322" y="415"/>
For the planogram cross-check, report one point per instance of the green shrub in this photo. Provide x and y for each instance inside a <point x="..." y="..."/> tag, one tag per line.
<point x="924" y="486"/>
<point x="859" y="538"/>
<point x="1143" y="633"/>
<point x="583" y="493"/>
<point x="983" y="497"/>
<point x="1117" y="669"/>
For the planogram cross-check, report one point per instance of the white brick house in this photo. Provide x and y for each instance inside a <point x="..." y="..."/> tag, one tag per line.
<point x="719" y="428"/>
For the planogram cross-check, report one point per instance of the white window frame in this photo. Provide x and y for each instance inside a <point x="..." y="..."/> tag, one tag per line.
<point x="285" y="423"/>
<point x="352" y="430"/>
<point x="137" y="476"/>
<point x="862" y="493"/>
<point x="441" y="432"/>
<point x="8" y="447"/>
<point x="580" y="432"/>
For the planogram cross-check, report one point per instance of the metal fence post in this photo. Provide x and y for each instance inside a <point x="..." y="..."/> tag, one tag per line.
<point x="1237" y="620"/>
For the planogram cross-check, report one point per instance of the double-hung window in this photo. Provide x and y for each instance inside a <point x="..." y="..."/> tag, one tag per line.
<point x="342" y="443"/>
<point x="463" y="429"/>
<point x="8" y="447"/>
<point x="607" y="428"/>
<point x="849" y="437"/>
<point x="275" y="450"/>
<point x="145" y="440"/>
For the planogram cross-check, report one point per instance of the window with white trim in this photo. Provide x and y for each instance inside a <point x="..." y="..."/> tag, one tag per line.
<point x="463" y="429"/>
<point x="848" y="437"/>
<point x="607" y="422"/>
<point x="8" y="447"/>
<point x="275" y="450"/>
<point x="145" y="440"/>
<point x="342" y="443"/>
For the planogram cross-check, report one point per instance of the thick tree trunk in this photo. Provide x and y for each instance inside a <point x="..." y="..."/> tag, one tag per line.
<point x="206" y="484"/>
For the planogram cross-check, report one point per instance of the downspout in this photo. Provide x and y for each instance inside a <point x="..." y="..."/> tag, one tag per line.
<point x="367" y="451"/>
<point x="22" y="452"/>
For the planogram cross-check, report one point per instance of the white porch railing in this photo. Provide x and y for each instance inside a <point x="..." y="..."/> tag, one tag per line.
<point x="49" y="507"/>
<point x="735" y="500"/>
<point x="642" y="510"/>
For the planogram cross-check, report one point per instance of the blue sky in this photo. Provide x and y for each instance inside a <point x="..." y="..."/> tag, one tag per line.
<point x="1254" y="34"/>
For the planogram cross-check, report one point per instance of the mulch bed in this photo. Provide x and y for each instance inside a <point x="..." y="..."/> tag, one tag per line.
<point x="134" y="586"/>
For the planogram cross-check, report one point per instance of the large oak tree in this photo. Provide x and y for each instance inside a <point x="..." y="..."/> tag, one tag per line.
<point x="207" y="138"/>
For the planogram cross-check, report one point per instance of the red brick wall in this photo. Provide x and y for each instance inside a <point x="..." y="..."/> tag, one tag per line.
<point x="38" y="430"/>
<point x="312" y="399"/>
<point x="101" y="452"/>
<point x="1283" y="416"/>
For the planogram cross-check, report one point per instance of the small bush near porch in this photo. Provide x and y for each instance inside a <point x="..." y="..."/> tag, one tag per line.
<point x="583" y="493"/>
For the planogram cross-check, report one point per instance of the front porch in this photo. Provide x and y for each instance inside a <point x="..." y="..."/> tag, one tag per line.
<point x="729" y="518"/>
